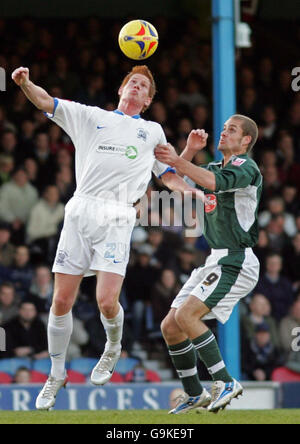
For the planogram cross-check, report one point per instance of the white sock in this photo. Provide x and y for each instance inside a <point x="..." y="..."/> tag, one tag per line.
<point x="114" y="330"/>
<point x="59" y="333"/>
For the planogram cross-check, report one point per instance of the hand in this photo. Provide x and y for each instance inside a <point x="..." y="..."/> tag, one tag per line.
<point x="197" y="140"/>
<point x="22" y="352"/>
<point x="20" y="76"/>
<point x="166" y="154"/>
<point x="259" y="375"/>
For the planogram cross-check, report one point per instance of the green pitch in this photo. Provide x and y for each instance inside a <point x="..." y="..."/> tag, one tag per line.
<point x="151" y="417"/>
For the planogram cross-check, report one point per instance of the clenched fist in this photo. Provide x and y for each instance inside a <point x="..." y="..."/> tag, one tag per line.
<point x="20" y="76"/>
<point x="197" y="140"/>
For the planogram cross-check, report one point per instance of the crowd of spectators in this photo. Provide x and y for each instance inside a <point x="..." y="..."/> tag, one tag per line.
<point x="79" y="60"/>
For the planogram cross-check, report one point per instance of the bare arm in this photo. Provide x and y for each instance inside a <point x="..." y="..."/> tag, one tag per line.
<point x="196" y="141"/>
<point x="176" y="183"/>
<point x="202" y="177"/>
<point x="37" y="95"/>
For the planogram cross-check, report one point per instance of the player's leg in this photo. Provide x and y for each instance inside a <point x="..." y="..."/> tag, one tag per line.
<point x="224" y="387"/>
<point x="112" y="317"/>
<point x="60" y="326"/>
<point x="184" y="359"/>
<point x="188" y="317"/>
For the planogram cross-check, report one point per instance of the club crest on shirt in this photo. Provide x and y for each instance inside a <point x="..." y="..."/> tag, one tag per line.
<point x="211" y="205"/>
<point x="142" y="134"/>
<point x="61" y="257"/>
<point x="238" y="161"/>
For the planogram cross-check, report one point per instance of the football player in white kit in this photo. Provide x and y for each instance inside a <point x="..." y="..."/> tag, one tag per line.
<point x="114" y="158"/>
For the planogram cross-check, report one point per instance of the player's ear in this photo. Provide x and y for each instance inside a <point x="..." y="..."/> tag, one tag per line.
<point x="120" y="91"/>
<point x="247" y="139"/>
<point x="148" y="101"/>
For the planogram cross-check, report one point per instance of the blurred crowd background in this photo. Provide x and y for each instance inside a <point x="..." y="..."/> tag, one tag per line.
<point x="79" y="60"/>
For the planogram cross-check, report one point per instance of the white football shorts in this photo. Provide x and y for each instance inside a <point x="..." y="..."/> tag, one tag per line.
<point x="95" y="236"/>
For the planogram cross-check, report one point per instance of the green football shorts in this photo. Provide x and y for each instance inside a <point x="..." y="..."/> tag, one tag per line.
<point x="226" y="277"/>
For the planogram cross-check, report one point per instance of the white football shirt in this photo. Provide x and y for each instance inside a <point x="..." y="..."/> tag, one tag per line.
<point x="114" y="153"/>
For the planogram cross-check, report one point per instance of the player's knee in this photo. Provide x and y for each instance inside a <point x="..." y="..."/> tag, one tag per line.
<point x="169" y="328"/>
<point x="181" y="318"/>
<point x="61" y="305"/>
<point x="107" y="307"/>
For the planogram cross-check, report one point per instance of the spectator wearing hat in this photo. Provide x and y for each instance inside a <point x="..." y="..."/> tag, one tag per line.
<point x="259" y="355"/>
<point x="7" y="250"/>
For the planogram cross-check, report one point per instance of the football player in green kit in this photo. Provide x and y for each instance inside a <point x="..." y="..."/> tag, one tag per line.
<point x="233" y="188"/>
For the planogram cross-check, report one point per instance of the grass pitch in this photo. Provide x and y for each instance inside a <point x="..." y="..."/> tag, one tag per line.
<point x="156" y="417"/>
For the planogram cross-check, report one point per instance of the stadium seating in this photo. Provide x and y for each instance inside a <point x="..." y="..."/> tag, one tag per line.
<point x="38" y="377"/>
<point x="83" y="365"/>
<point x="116" y="378"/>
<point x="10" y="366"/>
<point x="42" y="366"/>
<point x="125" y="365"/>
<point x="150" y="376"/>
<point x="283" y="374"/>
<point x="75" y="377"/>
<point x="5" y="378"/>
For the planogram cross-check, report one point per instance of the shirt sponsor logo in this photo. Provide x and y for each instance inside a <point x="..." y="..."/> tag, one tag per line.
<point x="212" y="203"/>
<point x="131" y="152"/>
<point x="238" y="161"/>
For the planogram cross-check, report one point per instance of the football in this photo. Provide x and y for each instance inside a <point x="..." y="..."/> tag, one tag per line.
<point x="138" y="39"/>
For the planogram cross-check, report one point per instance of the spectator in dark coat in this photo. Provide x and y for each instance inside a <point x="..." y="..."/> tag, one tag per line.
<point x="259" y="355"/>
<point x="26" y="335"/>
<point x="20" y="273"/>
<point x="277" y="288"/>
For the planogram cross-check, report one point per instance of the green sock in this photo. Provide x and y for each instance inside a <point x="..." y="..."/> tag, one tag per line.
<point x="209" y="353"/>
<point x="184" y="358"/>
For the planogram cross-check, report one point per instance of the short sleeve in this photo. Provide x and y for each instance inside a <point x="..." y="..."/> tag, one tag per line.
<point x="159" y="168"/>
<point x="234" y="177"/>
<point x="70" y="116"/>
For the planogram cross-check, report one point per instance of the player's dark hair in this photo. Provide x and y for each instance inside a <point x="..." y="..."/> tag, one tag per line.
<point x="249" y="128"/>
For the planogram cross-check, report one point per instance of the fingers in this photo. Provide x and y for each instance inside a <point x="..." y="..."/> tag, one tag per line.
<point x="20" y="73"/>
<point x="200" y="133"/>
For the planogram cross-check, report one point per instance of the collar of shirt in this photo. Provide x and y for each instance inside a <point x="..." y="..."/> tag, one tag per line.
<point x="117" y="111"/>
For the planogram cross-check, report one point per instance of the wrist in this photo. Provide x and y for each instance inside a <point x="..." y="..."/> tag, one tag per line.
<point x="25" y="84"/>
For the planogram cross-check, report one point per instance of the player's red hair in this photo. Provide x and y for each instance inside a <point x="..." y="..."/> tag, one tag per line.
<point x="145" y="71"/>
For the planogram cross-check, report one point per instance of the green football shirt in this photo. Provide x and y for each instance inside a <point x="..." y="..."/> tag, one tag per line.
<point x="231" y="215"/>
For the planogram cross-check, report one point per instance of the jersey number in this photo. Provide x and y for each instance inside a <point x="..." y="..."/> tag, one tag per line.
<point x="211" y="278"/>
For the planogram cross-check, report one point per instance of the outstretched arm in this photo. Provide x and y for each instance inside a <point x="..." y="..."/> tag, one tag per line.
<point x="176" y="183"/>
<point x="196" y="141"/>
<point x="202" y="177"/>
<point x="37" y="95"/>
